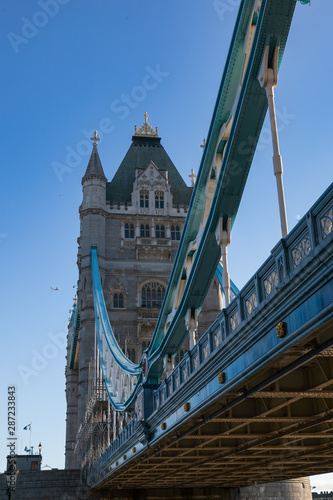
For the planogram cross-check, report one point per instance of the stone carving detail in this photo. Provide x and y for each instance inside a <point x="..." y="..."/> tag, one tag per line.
<point x="251" y="303"/>
<point x="327" y="223"/>
<point x="301" y="250"/>
<point x="270" y="283"/>
<point x="234" y="321"/>
<point x="217" y="338"/>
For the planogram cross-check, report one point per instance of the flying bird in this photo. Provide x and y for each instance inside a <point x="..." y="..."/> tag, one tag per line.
<point x="55" y="289"/>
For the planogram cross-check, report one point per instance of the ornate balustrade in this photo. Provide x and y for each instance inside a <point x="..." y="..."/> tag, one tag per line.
<point x="287" y="260"/>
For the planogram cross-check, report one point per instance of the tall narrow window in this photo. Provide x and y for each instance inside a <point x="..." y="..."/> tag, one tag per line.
<point x="152" y="294"/>
<point x="144" y="199"/>
<point x="160" y="231"/>
<point x="129" y="230"/>
<point x="118" y="300"/>
<point x="159" y="199"/>
<point x="175" y="232"/>
<point x="144" y="231"/>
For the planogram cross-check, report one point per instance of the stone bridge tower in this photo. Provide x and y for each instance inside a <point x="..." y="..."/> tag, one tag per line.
<point x="135" y="221"/>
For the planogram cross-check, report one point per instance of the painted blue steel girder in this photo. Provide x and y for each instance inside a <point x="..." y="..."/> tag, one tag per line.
<point x="272" y="28"/>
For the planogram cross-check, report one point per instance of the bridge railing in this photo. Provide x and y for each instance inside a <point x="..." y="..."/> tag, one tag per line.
<point x="120" y="440"/>
<point x="278" y="270"/>
<point x="287" y="259"/>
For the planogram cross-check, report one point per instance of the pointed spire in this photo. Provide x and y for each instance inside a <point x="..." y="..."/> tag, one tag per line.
<point x="94" y="168"/>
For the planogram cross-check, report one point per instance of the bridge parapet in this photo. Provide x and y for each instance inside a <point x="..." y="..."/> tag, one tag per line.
<point x="287" y="260"/>
<point x="273" y="336"/>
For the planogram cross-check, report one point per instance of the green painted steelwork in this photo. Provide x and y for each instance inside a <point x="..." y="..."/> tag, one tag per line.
<point x="74" y="335"/>
<point x="272" y="29"/>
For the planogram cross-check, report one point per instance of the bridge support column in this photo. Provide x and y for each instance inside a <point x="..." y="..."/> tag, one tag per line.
<point x="191" y="323"/>
<point x="168" y="364"/>
<point x="223" y="239"/>
<point x="268" y="80"/>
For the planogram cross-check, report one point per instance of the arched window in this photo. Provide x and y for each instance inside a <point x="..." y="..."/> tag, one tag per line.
<point x="175" y="232"/>
<point x="144" y="231"/>
<point x="144" y="199"/>
<point x="159" y="199"/>
<point x="160" y="231"/>
<point x="152" y="294"/>
<point x="129" y="230"/>
<point x="118" y="300"/>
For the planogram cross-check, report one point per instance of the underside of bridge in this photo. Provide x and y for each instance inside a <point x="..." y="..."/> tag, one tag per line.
<point x="276" y="428"/>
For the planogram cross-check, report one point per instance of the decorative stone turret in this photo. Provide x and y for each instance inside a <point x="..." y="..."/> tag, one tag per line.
<point x="92" y="233"/>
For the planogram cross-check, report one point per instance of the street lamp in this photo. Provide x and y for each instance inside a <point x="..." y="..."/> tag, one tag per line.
<point x="11" y="476"/>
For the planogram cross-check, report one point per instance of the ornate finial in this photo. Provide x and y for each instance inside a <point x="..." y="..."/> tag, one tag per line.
<point x="146" y="130"/>
<point x="95" y="138"/>
<point x="193" y="177"/>
<point x="203" y="144"/>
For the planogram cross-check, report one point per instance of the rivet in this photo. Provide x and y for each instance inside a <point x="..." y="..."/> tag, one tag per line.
<point x="221" y="377"/>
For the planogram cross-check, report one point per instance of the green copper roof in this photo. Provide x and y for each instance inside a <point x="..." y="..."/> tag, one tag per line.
<point x="142" y="151"/>
<point x="94" y="168"/>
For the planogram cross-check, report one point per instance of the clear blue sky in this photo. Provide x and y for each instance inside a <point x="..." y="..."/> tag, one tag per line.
<point x="68" y="67"/>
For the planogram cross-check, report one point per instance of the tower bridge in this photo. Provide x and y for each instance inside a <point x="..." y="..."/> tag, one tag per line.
<point x="167" y="386"/>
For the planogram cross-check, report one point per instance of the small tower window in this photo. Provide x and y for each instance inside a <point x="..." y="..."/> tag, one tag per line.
<point x="129" y="230"/>
<point x="144" y="231"/>
<point x="159" y="199"/>
<point x="160" y="231"/>
<point x="118" y="300"/>
<point x="144" y="199"/>
<point x="152" y="294"/>
<point x="175" y="233"/>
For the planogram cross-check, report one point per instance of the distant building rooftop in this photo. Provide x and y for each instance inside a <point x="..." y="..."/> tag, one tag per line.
<point x="27" y="462"/>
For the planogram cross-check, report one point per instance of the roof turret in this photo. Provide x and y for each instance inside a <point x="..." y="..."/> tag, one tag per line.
<point x="94" y="168"/>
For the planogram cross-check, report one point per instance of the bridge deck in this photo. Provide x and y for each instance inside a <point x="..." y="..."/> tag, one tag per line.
<point x="253" y="400"/>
